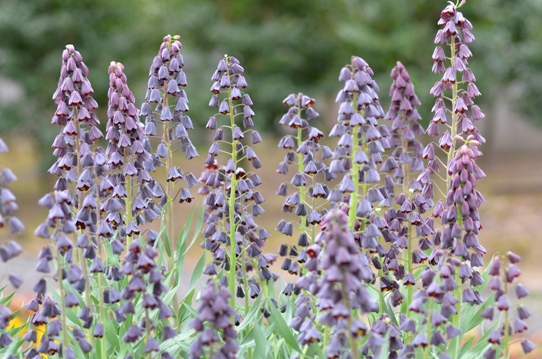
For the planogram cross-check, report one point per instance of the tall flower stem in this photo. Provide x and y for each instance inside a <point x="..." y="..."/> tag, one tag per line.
<point x="62" y="298"/>
<point x="427" y="350"/>
<point x="82" y="259"/>
<point x="170" y="230"/>
<point x="351" y="339"/>
<point x="102" y="315"/>
<point x="300" y="169"/>
<point x="451" y="152"/>
<point x="410" y="234"/>
<point x="408" y="256"/>
<point x="354" y="171"/>
<point x="506" y="338"/>
<point x="148" y="328"/>
<point x="128" y="203"/>
<point x="231" y="210"/>
<point x="101" y="302"/>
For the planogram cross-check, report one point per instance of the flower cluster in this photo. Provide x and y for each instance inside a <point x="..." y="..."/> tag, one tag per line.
<point x="75" y="114"/>
<point x="216" y="335"/>
<point x="8" y="202"/>
<point x="456" y="33"/>
<point x="169" y="121"/>
<point x="58" y="226"/>
<point x="145" y="279"/>
<point x="456" y="251"/>
<point x="405" y="127"/>
<point x="306" y="201"/>
<point x="361" y="143"/>
<point x="166" y="80"/>
<point x="405" y="160"/>
<point x="129" y="161"/>
<point x="340" y="289"/>
<point x="11" y="249"/>
<point x="231" y="198"/>
<point x="503" y="278"/>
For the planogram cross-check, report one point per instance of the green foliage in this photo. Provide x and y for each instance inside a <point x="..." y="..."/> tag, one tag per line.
<point x="288" y="46"/>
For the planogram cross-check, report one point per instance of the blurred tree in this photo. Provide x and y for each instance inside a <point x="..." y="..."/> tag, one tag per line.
<point x="511" y="43"/>
<point x="286" y="46"/>
<point x="34" y="33"/>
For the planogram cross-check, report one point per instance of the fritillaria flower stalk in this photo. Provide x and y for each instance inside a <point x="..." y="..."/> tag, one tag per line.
<point x="455" y="111"/>
<point x="232" y="201"/>
<point x="57" y="227"/>
<point x="72" y="147"/>
<point x="129" y="161"/>
<point x="307" y="155"/>
<point x="145" y="280"/>
<point x="405" y="127"/>
<point x="216" y="336"/>
<point x="340" y="291"/>
<point x="74" y="113"/>
<point x="360" y="146"/>
<point x="75" y="164"/>
<point x="504" y="273"/>
<point x="405" y="161"/>
<point x="8" y="201"/>
<point x="11" y="249"/>
<point x="165" y="112"/>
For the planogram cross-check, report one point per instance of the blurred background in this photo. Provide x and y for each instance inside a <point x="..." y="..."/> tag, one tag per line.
<point x="285" y="46"/>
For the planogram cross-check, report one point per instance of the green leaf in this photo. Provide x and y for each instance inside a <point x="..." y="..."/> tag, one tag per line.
<point x="187" y="302"/>
<point x="250" y="317"/>
<point x="260" y="341"/>
<point x="474" y="316"/>
<point x="182" y="248"/>
<point x="6" y="300"/>
<point x="384" y="351"/>
<point x="179" y="343"/>
<point x="465" y="346"/>
<point x="315" y="351"/>
<point x="282" y="329"/>
<point x="163" y="238"/>
<point x="481" y="344"/>
<point x="112" y="333"/>
<point x="389" y="311"/>
<point x="196" y="274"/>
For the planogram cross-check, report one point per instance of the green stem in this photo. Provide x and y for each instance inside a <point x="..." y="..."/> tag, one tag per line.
<point x="456" y="319"/>
<point x="354" y="172"/>
<point x="82" y="260"/>
<point x="301" y="189"/>
<point x="351" y="339"/>
<point x="168" y="215"/>
<point x="301" y="169"/>
<point x="245" y="281"/>
<point x="231" y="208"/>
<point x="427" y="349"/>
<point x="62" y="299"/>
<point x="506" y="339"/>
<point x="101" y="255"/>
<point x="408" y="256"/>
<point x="86" y="275"/>
<point x="148" y="328"/>
<point x="129" y="201"/>
<point x="102" y="316"/>
<point x="409" y="267"/>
